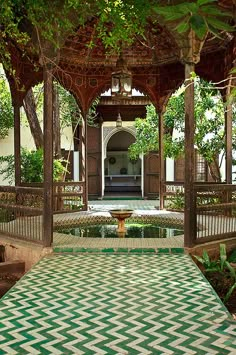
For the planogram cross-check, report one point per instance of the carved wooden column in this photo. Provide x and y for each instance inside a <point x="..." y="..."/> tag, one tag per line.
<point x="48" y="157"/>
<point x="228" y="143"/>
<point x="17" y="139"/>
<point x="190" y="49"/>
<point x="228" y="129"/>
<point x="83" y="159"/>
<point x="189" y="212"/>
<point x="161" y="159"/>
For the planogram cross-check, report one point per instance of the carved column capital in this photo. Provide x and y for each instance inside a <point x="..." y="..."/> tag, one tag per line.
<point x="190" y="48"/>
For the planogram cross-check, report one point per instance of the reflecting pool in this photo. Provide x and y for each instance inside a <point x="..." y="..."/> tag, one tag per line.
<point x="133" y="230"/>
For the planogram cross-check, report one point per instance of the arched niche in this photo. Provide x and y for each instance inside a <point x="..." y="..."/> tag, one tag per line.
<point x="121" y="174"/>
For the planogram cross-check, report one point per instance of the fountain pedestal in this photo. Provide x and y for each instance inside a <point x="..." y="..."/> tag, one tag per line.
<point x="121" y="216"/>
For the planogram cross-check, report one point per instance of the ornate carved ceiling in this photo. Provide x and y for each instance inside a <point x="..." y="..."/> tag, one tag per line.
<point x="155" y="63"/>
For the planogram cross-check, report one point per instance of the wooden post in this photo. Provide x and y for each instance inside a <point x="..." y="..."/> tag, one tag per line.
<point x="189" y="211"/>
<point x="83" y="160"/>
<point x="161" y="160"/>
<point x="228" y="153"/>
<point x="48" y="158"/>
<point x="228" y="143"/>
<point x="17" y="136"/>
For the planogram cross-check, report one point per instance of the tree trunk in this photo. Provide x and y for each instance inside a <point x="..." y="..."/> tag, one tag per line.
<point x="30" y="110"/>
<point x="56" y="123"/>
<point x="76" y="131"/>
<point x="215" y="170"/>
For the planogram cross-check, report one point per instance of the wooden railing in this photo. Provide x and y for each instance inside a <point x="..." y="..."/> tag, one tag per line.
<point x="173" y="194"/>
<point x="215" y="212"/>
<point x="69" y="197"/>
<point x="214" y="209"/>
<point x="21" y="210"/>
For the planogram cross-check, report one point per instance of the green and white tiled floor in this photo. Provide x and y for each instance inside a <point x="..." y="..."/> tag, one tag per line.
<point x="98" y="304"/>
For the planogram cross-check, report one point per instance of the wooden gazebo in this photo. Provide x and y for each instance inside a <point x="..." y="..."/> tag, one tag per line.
<point x="158" y="67"/>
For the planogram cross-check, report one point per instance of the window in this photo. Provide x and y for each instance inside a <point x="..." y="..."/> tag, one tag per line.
<point x="200" y="168"/>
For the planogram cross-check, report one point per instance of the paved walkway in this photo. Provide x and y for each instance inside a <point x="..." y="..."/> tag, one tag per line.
<point x="105" y="304"/>
<point x="106" y="205"/>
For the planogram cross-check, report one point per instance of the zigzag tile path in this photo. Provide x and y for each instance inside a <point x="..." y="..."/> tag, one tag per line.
<point x="115" y="305"/>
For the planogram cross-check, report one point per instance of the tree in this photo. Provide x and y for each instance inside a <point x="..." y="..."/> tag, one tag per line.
<point x="32" y="117"/>
<point x="6" y="109"/>
<point x="146" y="134"/>
<point x="209" y="132"/>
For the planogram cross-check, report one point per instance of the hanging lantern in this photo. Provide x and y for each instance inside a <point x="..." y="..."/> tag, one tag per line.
<point x="119" y="121"/>
<point x="121" y="85"/>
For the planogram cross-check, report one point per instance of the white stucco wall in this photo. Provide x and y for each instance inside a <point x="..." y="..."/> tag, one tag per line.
<point x="7" y="144"/>
<point x="170" y="169"/>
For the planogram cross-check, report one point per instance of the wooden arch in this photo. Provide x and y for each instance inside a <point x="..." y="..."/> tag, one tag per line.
<point x="158" y="66"/>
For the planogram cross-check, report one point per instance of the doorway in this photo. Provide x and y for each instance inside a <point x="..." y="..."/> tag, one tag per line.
<point x="122" y="176"/>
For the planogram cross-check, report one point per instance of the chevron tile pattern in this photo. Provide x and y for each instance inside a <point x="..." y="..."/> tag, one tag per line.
<point x="112" y="304"/>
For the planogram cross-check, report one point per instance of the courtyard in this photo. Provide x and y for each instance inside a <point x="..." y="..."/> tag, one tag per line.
<point x="126" y="106"/>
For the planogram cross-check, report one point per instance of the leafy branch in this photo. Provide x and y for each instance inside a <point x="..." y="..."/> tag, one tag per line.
<point x="202" y="16"/>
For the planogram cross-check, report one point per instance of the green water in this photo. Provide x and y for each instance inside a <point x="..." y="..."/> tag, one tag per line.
<point x="132" y="231"/>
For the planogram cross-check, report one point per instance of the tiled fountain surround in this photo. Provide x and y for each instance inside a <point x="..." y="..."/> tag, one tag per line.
<point x="144" y="211"/>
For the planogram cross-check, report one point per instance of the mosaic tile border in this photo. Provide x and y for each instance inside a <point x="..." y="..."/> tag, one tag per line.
<point x="90" y="220"/>
<point x="76" y="249"/>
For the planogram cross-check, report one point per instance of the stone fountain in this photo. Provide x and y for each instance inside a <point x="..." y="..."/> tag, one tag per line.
<point x="121" y="215"/>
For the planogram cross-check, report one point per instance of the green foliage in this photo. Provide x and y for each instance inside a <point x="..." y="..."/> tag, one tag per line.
<point x="232" y="272"/>
<point x="31" y="167"/>
<point x="70" y="113"/>
<point x="232" y="257"/>
<point x="173" y="147"/>
<point x="68" y="107"/>
<point x="7" y="168"/>
<point x="176" y="201"/>
<point x="121" y="21"/>
<point x="202" y="16"/>
<point x="146" y="134"/>
<point x="6" y="109"/>
<point x="221" y="266"/>
<point x="209" y="120"/>
<point x="117" y="22"/>
<point x="207" y="263"/>
<point x="10" y="28"/>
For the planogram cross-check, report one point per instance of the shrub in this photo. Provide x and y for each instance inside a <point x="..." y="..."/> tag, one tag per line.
<point x="31" y="167"/>
<point x="219" y="271"/>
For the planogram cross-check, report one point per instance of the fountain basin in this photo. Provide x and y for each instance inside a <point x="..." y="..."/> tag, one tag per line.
<point x="121" y="215"/>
